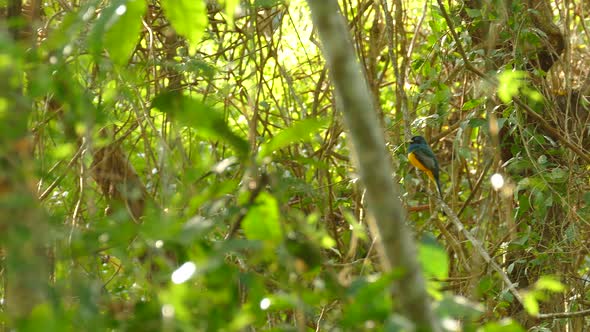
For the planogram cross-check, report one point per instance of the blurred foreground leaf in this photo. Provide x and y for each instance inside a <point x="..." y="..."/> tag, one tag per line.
<point x="301" y="131"/>
<point x="188" y="18"/>
<point x="262" y="220"/>
<point x="205" y="118"/>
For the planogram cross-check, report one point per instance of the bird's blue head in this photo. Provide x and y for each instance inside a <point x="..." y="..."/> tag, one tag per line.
<point x="417" y="140"/>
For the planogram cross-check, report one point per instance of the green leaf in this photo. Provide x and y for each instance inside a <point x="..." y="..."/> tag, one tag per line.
<point x="477" y="122"/>
<point x="117" y="29"/>
<point x="262" y="220"/>
<point x="549" y="283"/>
<point x="473" y="13"/>
<point x="530" y="303"/>
<point x="63" y="151"/>
<point x="187" y="17"/>
<point x="300" y="131"/>
<point x="205" y="118"/>
<point x="505" y="325"/>
<point x="458" y="307"/>
<point x="122" y="36"/>
<point x="471" y="104"/>
<point x="465" y="153"/>
<point x="510" y="83"/>
<point x="43" y="318"/>
<point x="282" y="301"/>
<point x="174" y="298"/>
<point x="433" y="257"/>
<point x="303" y="249"/>
<point x="484" y="286"/>
<point x="230" y="9"/>
<point x="542" y="159"/>
<point x="368" y="299"/>
<point x="558" y="175"/>
<point x="356" y="227"/>
<point x="397" y="322"/>
<point x="265" y="3"/>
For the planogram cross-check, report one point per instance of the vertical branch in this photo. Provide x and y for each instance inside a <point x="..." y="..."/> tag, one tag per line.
<point x="23" y="223"/>
<point x="397" y="249"/>
<point x="13" y="12"/>
<point x="396" y="35"/>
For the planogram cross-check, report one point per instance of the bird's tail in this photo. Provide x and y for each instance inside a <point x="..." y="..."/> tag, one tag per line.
<point x="438" y="187"/>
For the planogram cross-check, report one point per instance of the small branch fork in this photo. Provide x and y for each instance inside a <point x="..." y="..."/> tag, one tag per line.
<point x="480" y="249"/>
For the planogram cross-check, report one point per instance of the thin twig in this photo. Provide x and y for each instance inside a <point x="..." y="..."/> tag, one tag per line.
<point x="476" y="188"/>
<point x="558" y="315"/>
<point x="57" y="181"/>
<point x="480" y="250"/>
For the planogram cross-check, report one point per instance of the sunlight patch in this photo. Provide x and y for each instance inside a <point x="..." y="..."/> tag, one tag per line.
<point x="184" y="273"/>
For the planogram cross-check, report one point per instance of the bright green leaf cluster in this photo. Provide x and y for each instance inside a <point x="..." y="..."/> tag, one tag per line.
<point x="188" y="18"/>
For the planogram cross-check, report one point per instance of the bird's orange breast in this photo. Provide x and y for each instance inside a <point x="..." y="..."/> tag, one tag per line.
<point x="416" y="162"/>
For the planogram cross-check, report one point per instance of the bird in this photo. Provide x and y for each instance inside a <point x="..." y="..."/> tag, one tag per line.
<point x="422" y="157"/>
